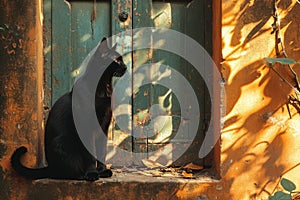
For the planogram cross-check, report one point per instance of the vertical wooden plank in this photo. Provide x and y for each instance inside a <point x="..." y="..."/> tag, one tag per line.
<point x="170" y="15"/>
<point x="208" y="45"/>
<point x="61" y="48"/>
<point x="120" y="147"/>
<point x="192" y="18"/>
<point x="90" y="22"/>
<point x="47" y="40"/>
<point x="141" y="97"/>
<point x="195" y="28"/>
<point x="77" y="27"/>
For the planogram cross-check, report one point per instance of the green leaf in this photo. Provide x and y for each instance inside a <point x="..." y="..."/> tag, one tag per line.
<point x="284" y="61"/>
<point x="287" y="184"/>
<point x="280" y="196"/>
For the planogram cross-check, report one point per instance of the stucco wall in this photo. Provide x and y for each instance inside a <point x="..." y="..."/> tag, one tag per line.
<point x="259" y="140"/>
<point x="20" y="88"/>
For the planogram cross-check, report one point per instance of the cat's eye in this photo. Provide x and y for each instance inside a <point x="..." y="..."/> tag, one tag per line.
<point x="116" y="60"/>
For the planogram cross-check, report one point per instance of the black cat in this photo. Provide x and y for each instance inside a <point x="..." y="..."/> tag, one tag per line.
<point x="66" y="155"/>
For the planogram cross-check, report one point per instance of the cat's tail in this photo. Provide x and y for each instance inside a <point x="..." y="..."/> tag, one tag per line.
<point x="25" y="171"/>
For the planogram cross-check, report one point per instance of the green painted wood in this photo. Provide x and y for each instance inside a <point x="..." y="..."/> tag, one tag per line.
<point x="61" y="52"/>
<point x="47" y="39"/>
<point x="77" y="26"/>
<point x="188" y="18"/>
<point x="142" y="96"/>
<point x="208" y="10"/>
<point x="121" y="139"/>
<point x="119" y="6"/>
<point x="90" y="22"/>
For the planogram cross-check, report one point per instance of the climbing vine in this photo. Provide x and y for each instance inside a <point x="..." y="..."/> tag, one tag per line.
<point x="282" y="58"/>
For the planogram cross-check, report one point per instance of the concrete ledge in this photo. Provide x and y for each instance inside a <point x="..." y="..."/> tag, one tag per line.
<point x="124" y="186"/>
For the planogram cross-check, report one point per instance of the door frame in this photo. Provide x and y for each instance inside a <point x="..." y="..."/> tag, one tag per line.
<point x="215" y="156"/>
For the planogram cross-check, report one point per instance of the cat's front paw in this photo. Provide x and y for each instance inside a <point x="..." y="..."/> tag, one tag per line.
<point x="105" y="173"/>
<point x="91" y="175"/>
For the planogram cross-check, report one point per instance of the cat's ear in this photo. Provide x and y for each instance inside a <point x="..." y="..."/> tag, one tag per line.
<point x="103" y="47"/>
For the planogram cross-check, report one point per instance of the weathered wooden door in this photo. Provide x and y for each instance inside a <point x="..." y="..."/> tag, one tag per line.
<point x="73" y="28"/>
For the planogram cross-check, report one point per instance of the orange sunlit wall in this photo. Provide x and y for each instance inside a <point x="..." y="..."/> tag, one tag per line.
<point x="260" y="141"/>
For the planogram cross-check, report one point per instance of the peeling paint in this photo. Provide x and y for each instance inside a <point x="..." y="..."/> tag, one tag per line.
<point x="93" y="18"/>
